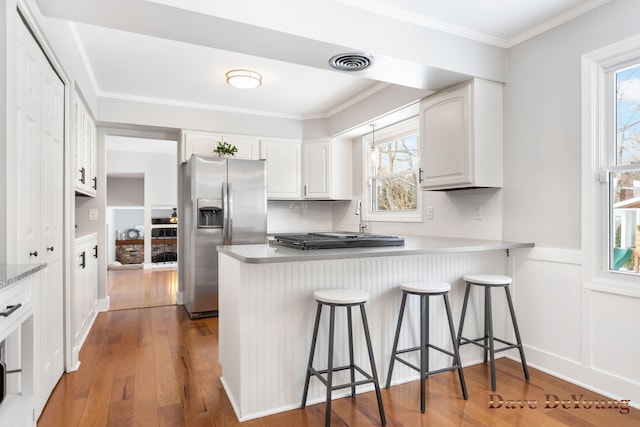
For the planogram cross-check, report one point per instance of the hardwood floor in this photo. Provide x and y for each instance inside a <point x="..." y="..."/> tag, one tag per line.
<point x="141" y="288"/>
<point x="155" y="367"/>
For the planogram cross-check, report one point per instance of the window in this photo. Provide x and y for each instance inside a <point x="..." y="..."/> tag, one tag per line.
<point x="611" y="167"/>
<point x="624" y="171"/>
<point x="392" y="190"/>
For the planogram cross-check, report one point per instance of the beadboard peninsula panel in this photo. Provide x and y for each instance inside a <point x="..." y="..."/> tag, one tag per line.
<point x="267" y="311"/>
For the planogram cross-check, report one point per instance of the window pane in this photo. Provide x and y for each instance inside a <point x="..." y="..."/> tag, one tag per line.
<point x="395" y="193"/>
<point x="625" y="219"/>
<point x="398" y="155"/>
<point x="628" y="116"/>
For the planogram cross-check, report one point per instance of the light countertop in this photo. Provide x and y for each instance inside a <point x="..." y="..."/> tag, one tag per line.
<point x="414" y="245"/>
<point x="11" y="273"/>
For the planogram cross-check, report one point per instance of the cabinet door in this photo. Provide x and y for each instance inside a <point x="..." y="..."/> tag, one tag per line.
<point x="85" y="151"/>
<point x="445" y="155"/>
<point x="316" y="166"/>
<point x="39" y="202"/>
<point x="51" y="351"/>
<point x="283" y="168"/>
<point x="78" y="291"/>
<point x="248" y="148"/>
<point x="28" y="103"/>
<point x="92" y="157"/>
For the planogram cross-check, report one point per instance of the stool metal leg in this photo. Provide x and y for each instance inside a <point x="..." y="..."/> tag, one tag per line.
<point x="332" y="323"/>
<point x="396" y="338"/>
<point x="374" y="371"/>
<point x="456" y="359"/>
<point x="311" y="353"/>
<point x="517" y="332"/>
<point x="465" y="301"/>
<point x="423" y="351"/>
<point x="489" y="320"/>
<point x="351" y="364"/>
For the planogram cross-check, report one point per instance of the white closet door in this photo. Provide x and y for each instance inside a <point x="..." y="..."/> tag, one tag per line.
<point x="29" y="95"/>
<point x="51" y="291"/>
<point x="39" y="201"/>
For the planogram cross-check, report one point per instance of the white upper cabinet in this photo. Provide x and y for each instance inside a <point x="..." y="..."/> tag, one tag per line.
<point x="199" y="142"/>
<point x="86" y="153"/>
<point x="283" y="168"/>
<point x="326" y="167"/>
<point x="461" y="137"/>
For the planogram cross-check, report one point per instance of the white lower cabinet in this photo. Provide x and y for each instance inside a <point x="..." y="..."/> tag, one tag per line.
<point x="84" y="292"/>
<point x="18" y="338"/>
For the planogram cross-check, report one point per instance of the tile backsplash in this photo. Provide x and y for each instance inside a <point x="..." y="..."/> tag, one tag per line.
<point x="299" y="216"/>
<point x="473" y="213"/>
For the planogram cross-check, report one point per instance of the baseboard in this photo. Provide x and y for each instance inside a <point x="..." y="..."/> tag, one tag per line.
<point x="179" y="298"/>
<point x="103" y="304"/>
<point x="592" y="379"/>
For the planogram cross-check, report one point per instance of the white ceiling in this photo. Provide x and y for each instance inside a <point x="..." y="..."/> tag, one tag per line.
<point x="177" y="51"/>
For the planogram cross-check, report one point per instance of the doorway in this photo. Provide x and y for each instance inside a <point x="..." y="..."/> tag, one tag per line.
<point x="141" y="198"/>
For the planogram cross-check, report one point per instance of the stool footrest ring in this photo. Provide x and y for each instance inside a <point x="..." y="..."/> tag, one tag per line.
<point x="509" y="345"/>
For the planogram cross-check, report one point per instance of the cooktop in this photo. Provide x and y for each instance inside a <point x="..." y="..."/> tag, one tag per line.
<point x="335" y="240"/>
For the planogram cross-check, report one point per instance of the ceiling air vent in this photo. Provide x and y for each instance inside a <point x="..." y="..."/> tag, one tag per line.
<point x="351" y="61"/>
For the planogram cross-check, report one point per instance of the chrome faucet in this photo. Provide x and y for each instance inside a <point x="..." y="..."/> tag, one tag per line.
<point x="362" y="225"/>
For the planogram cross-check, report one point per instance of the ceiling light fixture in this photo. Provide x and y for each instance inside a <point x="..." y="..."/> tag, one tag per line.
<point x="373" y="153"/>
<point x="244" y="79"/>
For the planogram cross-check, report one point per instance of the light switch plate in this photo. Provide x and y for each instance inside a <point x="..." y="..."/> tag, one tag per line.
<point x="477" y="211"/>
<point x="429" y="212"/>
<point x="93" y="214"/>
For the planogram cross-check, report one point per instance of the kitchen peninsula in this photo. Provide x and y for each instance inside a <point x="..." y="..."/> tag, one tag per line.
<point x="266" y="311"/>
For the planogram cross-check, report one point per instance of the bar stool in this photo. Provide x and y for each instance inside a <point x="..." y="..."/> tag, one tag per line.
<point x="425" y="290"/>
<point x="347" y="298"/>
<point x="489" y="281"/>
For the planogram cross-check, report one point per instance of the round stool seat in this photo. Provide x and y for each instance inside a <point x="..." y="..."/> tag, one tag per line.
<point x="488" y="279"/>
<point x="426" y="287"/>
<point x="341" y="296"/>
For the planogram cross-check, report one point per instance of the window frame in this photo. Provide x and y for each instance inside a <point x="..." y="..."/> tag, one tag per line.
<point x="598" y="160"/>
<point x="389" y="133"/>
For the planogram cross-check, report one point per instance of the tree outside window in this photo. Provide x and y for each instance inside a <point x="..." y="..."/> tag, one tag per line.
<point x="395" y="185"/>
<point x="392" y="189"/>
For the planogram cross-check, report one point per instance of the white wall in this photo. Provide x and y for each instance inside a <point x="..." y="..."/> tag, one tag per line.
<point x="569" y="330"/>
<point x="125" y="191"/>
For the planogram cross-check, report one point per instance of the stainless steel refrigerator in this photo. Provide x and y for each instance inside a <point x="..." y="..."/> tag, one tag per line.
<point x="224" y="202"/>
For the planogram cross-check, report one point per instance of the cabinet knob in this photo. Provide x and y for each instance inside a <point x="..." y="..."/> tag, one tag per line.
<point x="95" y="183"/>
<point x="50" y="249"/>
<point x="82" y="171"/>
<point x="34" y="253"/>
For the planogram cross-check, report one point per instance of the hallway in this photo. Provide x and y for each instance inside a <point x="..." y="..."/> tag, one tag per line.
<point x="141" y="288"/>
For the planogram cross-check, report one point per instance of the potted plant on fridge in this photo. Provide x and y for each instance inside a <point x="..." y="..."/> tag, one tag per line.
<point x="224" y="149"/>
